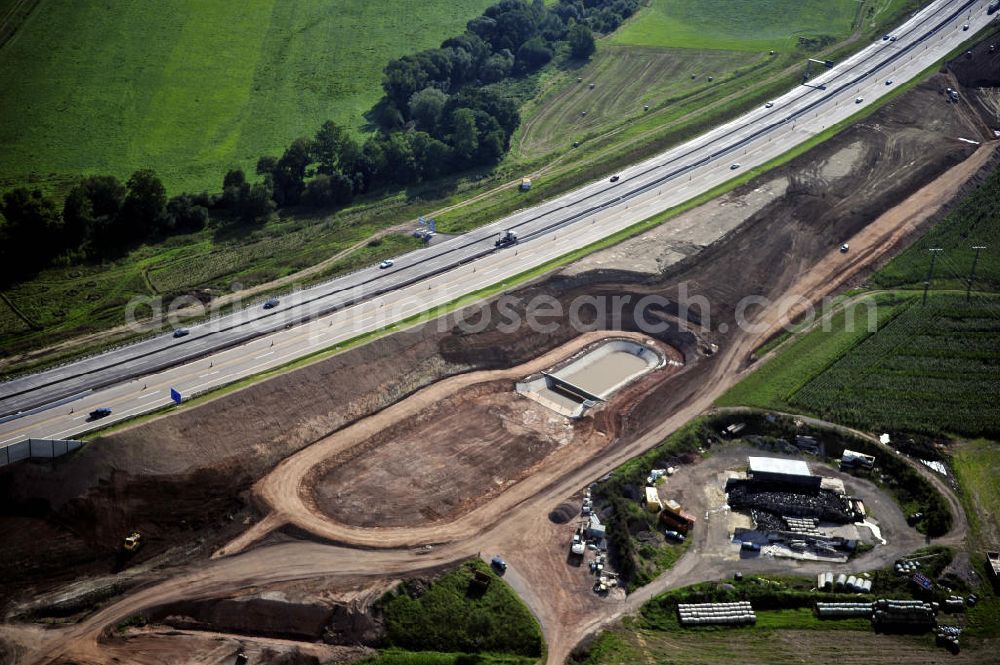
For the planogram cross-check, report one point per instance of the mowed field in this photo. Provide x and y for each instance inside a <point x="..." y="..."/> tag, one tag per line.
<point x="664" y="56"/>
<point x="192" y="88"/>
<point x="737" y="25"/>
<point x="738" y="646"/>
<point x="625" y="80"/>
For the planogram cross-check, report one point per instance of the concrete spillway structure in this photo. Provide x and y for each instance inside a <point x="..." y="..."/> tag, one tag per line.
<point x="592" y="376"/>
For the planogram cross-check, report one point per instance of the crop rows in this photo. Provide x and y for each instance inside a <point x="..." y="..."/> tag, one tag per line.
<point x="929" y="370"/>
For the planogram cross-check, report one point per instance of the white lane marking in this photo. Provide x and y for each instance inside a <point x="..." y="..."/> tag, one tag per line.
<point x="148" y="395"/>
<point x="264" y="355"/>
<point x="202" y="376"/>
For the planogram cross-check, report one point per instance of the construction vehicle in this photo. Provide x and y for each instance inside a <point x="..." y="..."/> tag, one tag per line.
<point x="525" y="184"/>
<point x="578" y="546"/>
<point x="676" y="519"/>
<point x="506" y="239"/>
<point x="132" y="542"/>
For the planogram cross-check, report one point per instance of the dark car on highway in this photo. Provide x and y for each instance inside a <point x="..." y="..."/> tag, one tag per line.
<point x="99" y="413"/>
<point x="615" y="178"/>
<point x="181" y="332"/>
<point x="271" y="304"/>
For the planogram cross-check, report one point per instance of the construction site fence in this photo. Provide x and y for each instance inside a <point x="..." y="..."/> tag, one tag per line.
<point x="37" y="449"/>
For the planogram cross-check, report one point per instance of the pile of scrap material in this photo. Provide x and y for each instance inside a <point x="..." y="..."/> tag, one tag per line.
<point x="726" y="614"/>
<point x="823" y="505"/>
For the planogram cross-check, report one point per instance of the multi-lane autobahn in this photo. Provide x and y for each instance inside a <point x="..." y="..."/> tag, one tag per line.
<point x="138" y="378"/>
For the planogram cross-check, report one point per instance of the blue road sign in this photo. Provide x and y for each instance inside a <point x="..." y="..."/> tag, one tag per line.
<point x="176" y="396"/>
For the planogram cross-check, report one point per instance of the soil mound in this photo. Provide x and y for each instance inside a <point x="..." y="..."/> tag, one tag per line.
<point x="564" y="513"/>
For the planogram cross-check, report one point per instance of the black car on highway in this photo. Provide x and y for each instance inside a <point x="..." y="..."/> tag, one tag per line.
<point x="181" y="332"/>
<point x="99" y="413"/>
<point x="271" y="304"/>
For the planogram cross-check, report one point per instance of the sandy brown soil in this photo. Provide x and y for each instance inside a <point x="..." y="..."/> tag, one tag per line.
<point x="461" y="451"/>
<point x="787" y="247"/>
<point x="287" y="492"/>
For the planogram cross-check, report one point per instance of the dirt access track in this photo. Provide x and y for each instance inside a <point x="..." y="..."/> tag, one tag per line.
<point x="187" y="480"/>
<point x="414" y="473"/>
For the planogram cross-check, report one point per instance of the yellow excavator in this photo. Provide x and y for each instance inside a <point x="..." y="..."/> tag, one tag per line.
<point x="132" y="542"/>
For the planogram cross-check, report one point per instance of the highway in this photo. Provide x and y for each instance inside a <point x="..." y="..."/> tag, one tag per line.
<point x="138" y="378"/>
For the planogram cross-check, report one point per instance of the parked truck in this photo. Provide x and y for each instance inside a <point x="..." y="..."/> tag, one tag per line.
<point x="674" y="518"/>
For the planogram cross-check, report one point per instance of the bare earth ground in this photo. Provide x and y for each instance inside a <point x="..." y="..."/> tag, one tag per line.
<point x="459" y="452"/>
<point x="200" y="463"/>
<point x="288" y="493"/>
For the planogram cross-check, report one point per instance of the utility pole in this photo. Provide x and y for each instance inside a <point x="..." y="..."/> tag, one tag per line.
<point x="972" y="276"/>
<point x="930" y="273"/>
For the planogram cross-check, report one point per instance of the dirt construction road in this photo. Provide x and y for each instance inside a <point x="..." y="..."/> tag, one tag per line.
<point x="785" y="252"/>
<point x="523" y="531"/>
<point x="287" y="491"/>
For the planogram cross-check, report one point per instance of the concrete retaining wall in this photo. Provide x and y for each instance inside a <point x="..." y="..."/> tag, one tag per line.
<point x="37" y="449"/>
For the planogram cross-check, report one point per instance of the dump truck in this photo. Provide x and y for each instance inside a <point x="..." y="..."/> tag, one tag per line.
<point x="674" y="518"/>
<point x="506" y="239"/>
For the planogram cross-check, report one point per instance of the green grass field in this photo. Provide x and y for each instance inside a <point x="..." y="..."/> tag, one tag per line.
<point x="737" y="25"/>
<point x="977" y="467"/>
<point x="192" y="88"/>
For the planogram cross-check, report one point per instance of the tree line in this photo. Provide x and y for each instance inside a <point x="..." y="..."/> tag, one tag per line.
<point x="442" y="112"/>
